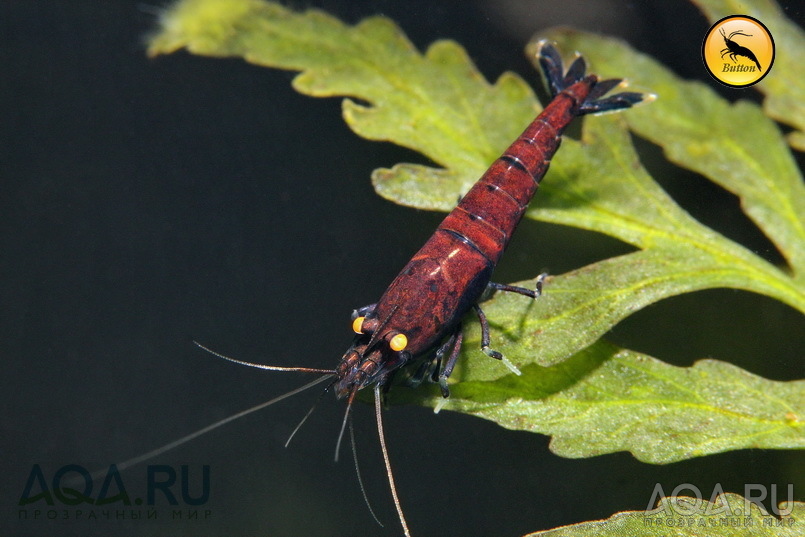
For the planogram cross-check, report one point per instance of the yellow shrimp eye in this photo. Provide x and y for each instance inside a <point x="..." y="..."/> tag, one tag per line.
<point x="398" y="342"/>
<point x="357" y="325"/>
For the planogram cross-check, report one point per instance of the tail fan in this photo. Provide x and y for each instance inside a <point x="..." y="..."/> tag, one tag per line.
<point x="557" y="80"/>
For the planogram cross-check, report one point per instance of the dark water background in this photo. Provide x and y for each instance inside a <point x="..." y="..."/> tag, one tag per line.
<point x="144" y="203"/>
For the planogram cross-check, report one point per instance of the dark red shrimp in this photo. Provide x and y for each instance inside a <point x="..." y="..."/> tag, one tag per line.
<point x="419" y="316"/>
<point x="423" y="307"/>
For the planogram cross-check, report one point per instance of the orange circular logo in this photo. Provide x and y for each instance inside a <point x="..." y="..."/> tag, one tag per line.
<point x="738" y="51"/>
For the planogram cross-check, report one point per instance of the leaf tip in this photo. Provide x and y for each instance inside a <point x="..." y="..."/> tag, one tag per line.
<point x="196" y="22"/>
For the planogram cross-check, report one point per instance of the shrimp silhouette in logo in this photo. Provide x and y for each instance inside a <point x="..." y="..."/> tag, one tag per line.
<point x="734" y="49"/>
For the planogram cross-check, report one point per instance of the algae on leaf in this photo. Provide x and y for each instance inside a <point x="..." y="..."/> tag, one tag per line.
<point x="577" y="388"/>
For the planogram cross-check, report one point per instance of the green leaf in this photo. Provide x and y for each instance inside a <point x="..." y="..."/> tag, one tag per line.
<point x="727" y="515"/>
<point x="606" y="399"/>
<point x="439" y="105"/>
<point x="733" y="145"/>
<point x="600" y="185"/>
<point x="784" y="85"/>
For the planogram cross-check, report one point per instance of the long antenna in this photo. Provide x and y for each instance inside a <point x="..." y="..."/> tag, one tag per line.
<point x="358" y="473"/>
<point x="176" y="443"/>
<point x="379" y="418"/>
<point x="309" y="412"/>
<point x="344" y="423"/>
<point x="263" y="366"/>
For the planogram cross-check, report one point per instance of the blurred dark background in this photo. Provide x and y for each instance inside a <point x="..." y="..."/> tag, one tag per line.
<point x="145" y="203"/>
